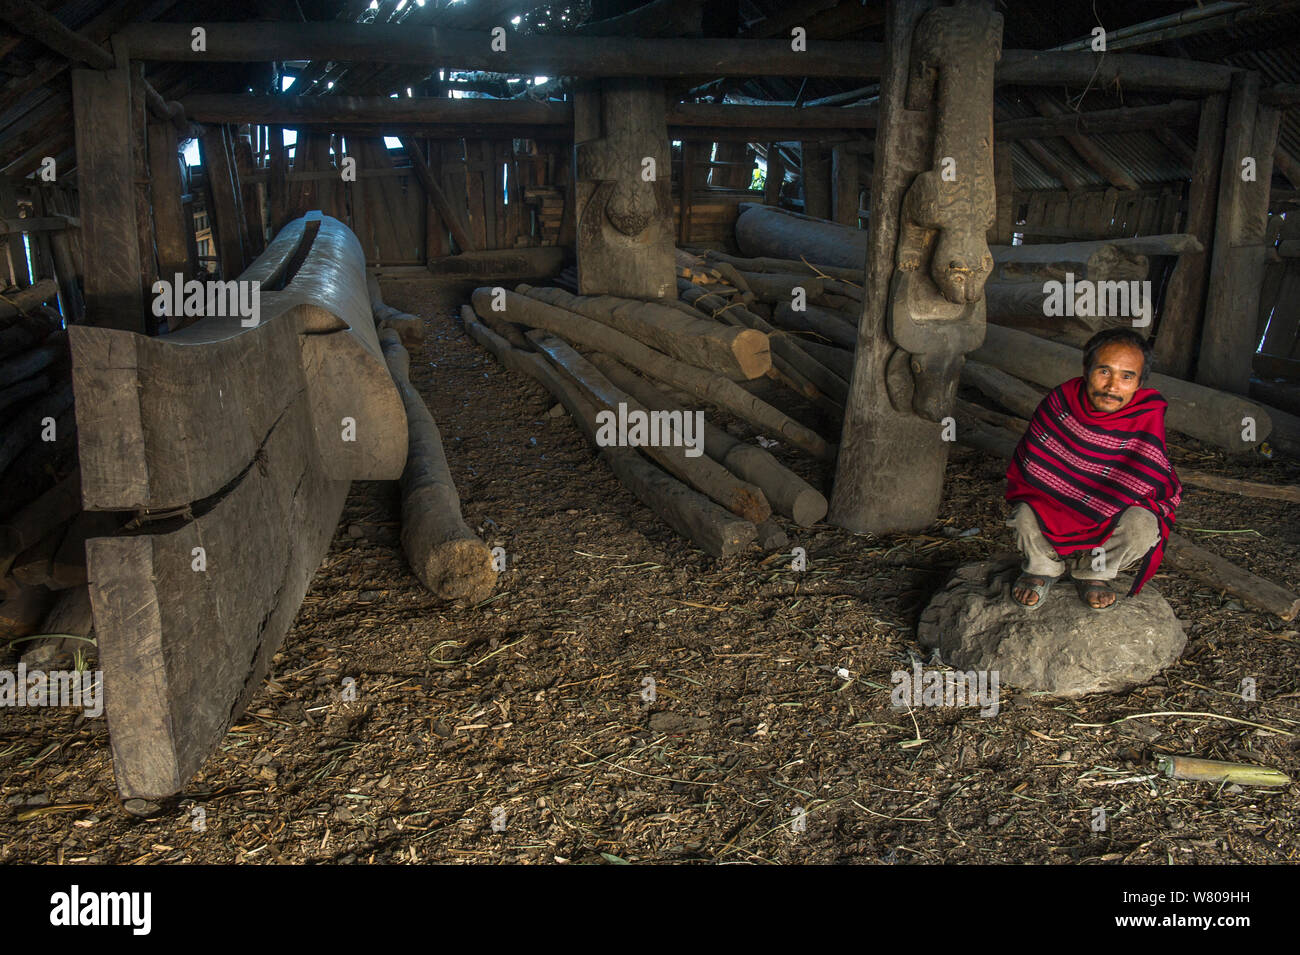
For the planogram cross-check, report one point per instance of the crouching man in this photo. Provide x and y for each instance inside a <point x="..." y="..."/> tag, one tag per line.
<point x="1091" y="483"/>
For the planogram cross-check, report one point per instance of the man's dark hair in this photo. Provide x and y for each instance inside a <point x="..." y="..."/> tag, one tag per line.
<point x="1113" y="336"/>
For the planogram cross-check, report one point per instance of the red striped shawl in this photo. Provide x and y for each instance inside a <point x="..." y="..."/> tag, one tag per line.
<point x="1079" y="469"/>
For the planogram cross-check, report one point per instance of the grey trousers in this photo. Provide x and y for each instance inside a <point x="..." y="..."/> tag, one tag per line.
<point x="1136" y="533"/>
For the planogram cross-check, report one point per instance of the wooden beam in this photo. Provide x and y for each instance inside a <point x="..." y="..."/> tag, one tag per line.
<point x="106" y="183"/>
<point x="1179" y="326"/>
<point x="29" y="19"/>
<point x="1126" y="71"/>
<point x="1287" y="165"/>
<point x="1088" y="151"/>
<point x="550" y="55"/>
<point x="579" y="56"/>
<point x="54" y="223"/>
<point x="1182" y="112"/>
<point x="426" y="110"/>
<point x="1054" y="166"/>
<point x="331" y="109"/>
<point x="1283" y="95"/>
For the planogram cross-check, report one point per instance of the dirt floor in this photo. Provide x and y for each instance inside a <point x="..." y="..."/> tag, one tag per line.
<point x="516" y="731"/>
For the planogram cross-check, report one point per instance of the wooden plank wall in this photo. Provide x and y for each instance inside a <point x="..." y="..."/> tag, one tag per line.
<point x="710" y="211"/>
<point x="1061" y="216"/>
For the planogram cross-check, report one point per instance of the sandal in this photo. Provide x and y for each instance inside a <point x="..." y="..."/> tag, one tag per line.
<point x="1042" y="589"/>
<point x="1086" y="587"/>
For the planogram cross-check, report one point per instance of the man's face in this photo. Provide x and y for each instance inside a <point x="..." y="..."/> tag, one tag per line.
<point x="1115" y="377"/>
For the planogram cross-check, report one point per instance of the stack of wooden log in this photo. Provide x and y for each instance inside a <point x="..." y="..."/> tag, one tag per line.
<point x="633" y="354"/>
<point x="43" y="528"/>
<point x="1014" y="292"/>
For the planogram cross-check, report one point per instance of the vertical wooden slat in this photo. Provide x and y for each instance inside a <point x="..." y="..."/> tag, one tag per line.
<point x="436" y="242"/>
<point x="510" y="194"/>
<point x="499" y="165"/>
<point x="250" y="194"/>
<point x="489" y="186"/>
<point x="69" y="275"/>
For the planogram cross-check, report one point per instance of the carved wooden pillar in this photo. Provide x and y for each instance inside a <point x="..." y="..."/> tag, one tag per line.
<point x="932" y="202"/>
<point x="625" y="212"/>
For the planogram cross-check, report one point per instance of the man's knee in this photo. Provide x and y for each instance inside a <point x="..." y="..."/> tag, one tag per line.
<point x="1140" y="526"/>
<point x="1023" y="519"/>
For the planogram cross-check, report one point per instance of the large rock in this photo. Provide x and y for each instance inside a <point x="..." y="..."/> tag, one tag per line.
<point x="1064" y="649"/>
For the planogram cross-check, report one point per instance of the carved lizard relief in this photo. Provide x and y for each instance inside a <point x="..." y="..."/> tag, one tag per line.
<point x="936" y="310"/>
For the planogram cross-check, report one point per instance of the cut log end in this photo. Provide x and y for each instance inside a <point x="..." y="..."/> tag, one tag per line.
<point x="457" y="570"/>
<point x="809" y="507"/>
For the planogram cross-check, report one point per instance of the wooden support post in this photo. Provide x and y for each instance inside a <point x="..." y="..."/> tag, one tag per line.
<point x="277" y="195"/>
<point x="844" y="186"/>
<point x="138" y="133"/>
<point x="1005" y="183"/>
<point x="775" y="175"/>
<point x="690" y="154"/>
<point x="623" y="173"/>
<point x="815" y="168"/>
<point x="101" y="102"/>
<point x="889" y="474"/>
<point x="1179" y="325"/>
<point x="168" y="215"/>
<point x="1239" y="257"/>
<point x="225" y="215"/>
